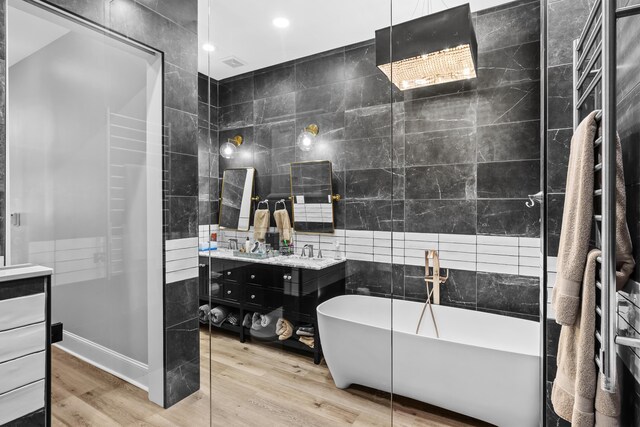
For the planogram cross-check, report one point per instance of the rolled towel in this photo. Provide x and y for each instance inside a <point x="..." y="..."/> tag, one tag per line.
<point x="307" y="341"/>
<point x="234" y="318"/>
<point x="219" y="315"/>
<point x="247" y="320"/>
<point x="260" y="224"/>
<point x="306" y="331"/>
<point x="266" y="319"/>
<point x="283" y="223"/>
<point x="203" y="313"/>
<point x="256" y="321"/>
<point x="214" y="289"/>
<point x="284" y="329"/>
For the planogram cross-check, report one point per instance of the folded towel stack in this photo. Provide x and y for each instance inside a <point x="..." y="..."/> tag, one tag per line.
<point x="306" y="331"/>
<point x="284" y="329"/>
<point x="203" y="313"/>
<point x="307" y="341"/>
<point x="218" y="315"/>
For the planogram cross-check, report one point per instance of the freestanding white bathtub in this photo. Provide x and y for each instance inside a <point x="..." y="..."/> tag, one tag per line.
<point x="483" y="365"/>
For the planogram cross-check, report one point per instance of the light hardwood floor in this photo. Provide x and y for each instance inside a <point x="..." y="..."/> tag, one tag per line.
<point x="252" y="385"/>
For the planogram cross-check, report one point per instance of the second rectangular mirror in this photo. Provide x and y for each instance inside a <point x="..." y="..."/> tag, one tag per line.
<point x="311" y="189"/>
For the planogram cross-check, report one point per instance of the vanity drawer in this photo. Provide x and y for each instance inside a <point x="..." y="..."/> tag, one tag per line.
<point x="22" y="341"/>
<point x="231" y="291"/>
<point x="231" y="273"/>
<point x="253" y="295"/>
<point x="21" y="401"/>
<point x="258" y="275"/>
<point x="22" y="311"/>
<point x="21" y="371"/>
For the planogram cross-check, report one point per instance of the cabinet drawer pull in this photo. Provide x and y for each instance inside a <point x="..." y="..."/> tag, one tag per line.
<point x="228" y="292"/>
<point x="253" y="276"/>
<point x="253" y="297"/>
<point x="284" y="277"/>
<point x="289" y="277"/>
<point x="228" y="273"/>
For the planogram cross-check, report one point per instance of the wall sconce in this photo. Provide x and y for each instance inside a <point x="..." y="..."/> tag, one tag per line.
<point x="229" y="148"/>
<point x="307" y="137"/>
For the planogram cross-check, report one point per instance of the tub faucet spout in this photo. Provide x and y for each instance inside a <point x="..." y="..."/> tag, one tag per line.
<point x="435" y="278"/>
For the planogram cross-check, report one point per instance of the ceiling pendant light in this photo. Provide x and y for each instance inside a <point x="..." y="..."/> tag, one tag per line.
<point x="433" y="49"/>
<point x="229" y="148"/>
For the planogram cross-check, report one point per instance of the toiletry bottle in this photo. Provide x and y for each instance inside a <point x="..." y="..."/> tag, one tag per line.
<point x="247" y="246"/>
<point x="338" y="251"/>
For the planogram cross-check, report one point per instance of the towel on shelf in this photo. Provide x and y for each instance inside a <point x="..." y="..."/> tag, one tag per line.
<point x="219" y="315"/>
<point x="309" y="341"/>
<point x="266" y="319"/>
<point x="576" y="395"/>
<point x="247" y="320"/>
<point x="306" y="331"/>
<point x="284" y="329"/>
<point x="233" y="318"/>
<point x="260" y="224"/>
<point x="283" y="223"/>
<point x="576" y="223"/>
<point x="203" y="313"/>
<point x="256" y="321"/>
<point x="214" y="289"/>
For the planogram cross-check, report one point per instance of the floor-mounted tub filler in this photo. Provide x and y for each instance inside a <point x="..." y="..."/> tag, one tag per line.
<point x="483" y="365"/>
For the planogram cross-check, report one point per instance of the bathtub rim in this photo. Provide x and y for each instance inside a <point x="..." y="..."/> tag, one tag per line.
<point x="521" y="353"/>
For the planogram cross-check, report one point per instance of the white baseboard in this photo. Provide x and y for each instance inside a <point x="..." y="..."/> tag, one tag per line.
<point x="121" y="366"/>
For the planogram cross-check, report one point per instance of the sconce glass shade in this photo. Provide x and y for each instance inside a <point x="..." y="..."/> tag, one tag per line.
<point x="307" y="137"/>
<point x="228" y="149"/>
<point x="430" y="50"/>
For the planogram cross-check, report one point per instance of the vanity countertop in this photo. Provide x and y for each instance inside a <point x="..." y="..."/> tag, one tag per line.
<point x="294" y="261"/>
<point x="23" y="271"/>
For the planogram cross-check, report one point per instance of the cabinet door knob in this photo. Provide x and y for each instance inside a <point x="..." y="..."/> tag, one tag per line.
<point x="289" y="277"/>
<point x="228" y="292"/>
<point x="253" y="297"/>
<point x="284" y="277"/>
<point x="228" y="273"/>
<point x="253" y="276"/>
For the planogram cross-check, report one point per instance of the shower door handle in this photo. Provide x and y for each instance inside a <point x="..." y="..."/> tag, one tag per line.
<point x="16" y="220"/>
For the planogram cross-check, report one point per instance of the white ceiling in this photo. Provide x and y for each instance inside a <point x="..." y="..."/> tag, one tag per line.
<point x="24" y="40"/>
<point x="244" y="29"/>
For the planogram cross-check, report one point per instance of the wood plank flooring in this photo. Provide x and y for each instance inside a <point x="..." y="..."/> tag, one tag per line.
<point x="252" y="385"/>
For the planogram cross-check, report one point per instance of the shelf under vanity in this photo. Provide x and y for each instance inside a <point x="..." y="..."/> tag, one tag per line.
<point x="285" y="286"/>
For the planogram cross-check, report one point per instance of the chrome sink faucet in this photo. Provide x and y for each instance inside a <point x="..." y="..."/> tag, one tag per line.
<point x="233" y="244"/>
<point x="303" y="253"/>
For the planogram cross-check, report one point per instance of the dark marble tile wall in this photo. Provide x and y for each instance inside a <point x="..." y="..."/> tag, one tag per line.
<point x="170" y="27"/>
<point x="208" y="158"/>
<point x="463" y="157"/>
<point x="565" y="20"/>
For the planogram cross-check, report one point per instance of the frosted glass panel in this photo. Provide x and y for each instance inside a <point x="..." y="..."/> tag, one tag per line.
<point x="85" y="174"/>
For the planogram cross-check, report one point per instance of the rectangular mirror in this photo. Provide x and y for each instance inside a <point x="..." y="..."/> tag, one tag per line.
<point x="311" y="189"/>
<point x="237" y="192"/>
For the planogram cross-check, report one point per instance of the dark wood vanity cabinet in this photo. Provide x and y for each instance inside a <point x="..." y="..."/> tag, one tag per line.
<point x="288" y="292"/>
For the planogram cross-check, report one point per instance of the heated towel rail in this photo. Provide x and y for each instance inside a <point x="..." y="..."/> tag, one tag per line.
<point x="594" y="87"/>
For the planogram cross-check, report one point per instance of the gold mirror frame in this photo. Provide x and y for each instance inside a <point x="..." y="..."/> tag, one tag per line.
<point x="251" y="199"/>
<point x="334" y="197"/>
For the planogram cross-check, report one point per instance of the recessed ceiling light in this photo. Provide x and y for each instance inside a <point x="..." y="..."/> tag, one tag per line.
<point x="281" y="22"/>
<point x="208" y="47"/>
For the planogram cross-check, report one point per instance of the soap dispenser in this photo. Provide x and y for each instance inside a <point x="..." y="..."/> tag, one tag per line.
<point x="247" y="246"/>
